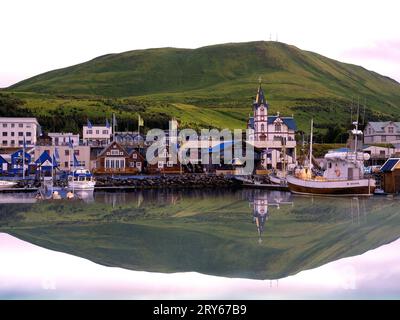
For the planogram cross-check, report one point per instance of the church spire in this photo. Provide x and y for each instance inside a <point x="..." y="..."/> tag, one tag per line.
<point x="260" y="99"/>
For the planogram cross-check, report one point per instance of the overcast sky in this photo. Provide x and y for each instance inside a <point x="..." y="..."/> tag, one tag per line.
<point x="42" y="35"/>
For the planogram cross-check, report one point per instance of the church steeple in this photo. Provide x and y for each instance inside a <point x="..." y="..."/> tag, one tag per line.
<point x="260" y="98"/>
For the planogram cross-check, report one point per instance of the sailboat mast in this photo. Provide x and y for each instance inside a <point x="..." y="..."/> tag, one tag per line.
<point x="311" y="141"/>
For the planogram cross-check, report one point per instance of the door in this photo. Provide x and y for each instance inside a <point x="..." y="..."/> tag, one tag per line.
<point x="350" y="173"/>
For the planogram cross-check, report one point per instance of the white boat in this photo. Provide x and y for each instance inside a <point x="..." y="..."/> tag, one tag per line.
<point x="7" y="184"/>
<point x="81" y="179"/>
<point x="344" y="174"/>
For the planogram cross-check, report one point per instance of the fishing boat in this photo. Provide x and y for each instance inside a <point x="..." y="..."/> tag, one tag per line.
<point x="7" y="184"/>
<point x="344" y="174"/>
<point x="81" y="179"/>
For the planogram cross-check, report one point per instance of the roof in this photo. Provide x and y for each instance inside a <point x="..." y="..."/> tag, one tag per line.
<point x="379" y="125"/>
<point x="109" y="145"/>
<point x="289" y="121"/>
<point x="390" y="164"/>
<point x="19" y="120"/>
<point x="43" y="158"/>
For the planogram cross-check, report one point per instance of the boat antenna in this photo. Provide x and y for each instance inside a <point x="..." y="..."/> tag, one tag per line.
<point x="311" y="141"/>
<point x="365" y="106"/>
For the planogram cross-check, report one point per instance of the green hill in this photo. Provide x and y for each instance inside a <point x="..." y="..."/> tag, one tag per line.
<point x="214" y="85"/>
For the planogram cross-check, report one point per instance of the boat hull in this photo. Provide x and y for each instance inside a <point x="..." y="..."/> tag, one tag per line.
<point x="7" y="184"/>
<point x="362" y="187"/>
<point x="86" y="186"/>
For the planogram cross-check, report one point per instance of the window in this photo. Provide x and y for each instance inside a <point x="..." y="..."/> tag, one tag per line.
<point x="138" y="164"/>
<point x="20" y="142"/>
<point x="28" y="142"/>
<point x="12" y="125"/>
<point x="21" y="125"/>
<point x="28" y="134"/>
<point x="390" y="129"/>
<point x="383" y="138"/>
<point x="131" y="164"/>
<point x="160" y="164"/>
<point x="12" y="141"/>
<point x="262" y="127"/>
<point x="105" y="131"/>
<point x="134" y="156"/>
<point x="4" y="134"/>
<point x="382" y="153"/>
<point x="20" y="134"/>
<point x="12" y="134"/>
<point x="97" y="131"/>
<point x="115" y="152"/>
<point x="89" y="131"/>
<point x="278" y="127"/>
<point x="369" y="131"/>
<point x="76" y="152"/>
<point x="330" y="165"/>
<point x="4" y="125"/>
<point x="66" y="164"/>
<point x="4" y="142"/>
<point x="28" y="125"/>
<point x="66" y="152"/>
<point x="169" y="164"/>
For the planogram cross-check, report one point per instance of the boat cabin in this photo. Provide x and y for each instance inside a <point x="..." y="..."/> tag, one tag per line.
<point x="343" y="165"/>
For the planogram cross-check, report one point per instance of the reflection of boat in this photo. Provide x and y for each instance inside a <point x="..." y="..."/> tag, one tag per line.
<point x="85" y="195"/>
<point x="7" y="184"/>
<point x="18" y="198"/>
<point x="344" y="174"/>
<point x="81" y="179"/>
<point x="261" y="184"/>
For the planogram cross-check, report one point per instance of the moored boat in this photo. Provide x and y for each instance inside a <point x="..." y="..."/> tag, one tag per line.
<point x="81" y="179"/>
<point x="344" y="174"/>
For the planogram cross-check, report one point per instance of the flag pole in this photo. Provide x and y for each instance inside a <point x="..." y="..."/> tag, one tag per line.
<point x="23" y="159"/>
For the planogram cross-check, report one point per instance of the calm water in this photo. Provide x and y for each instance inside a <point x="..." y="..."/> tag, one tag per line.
<point x="248" y="244"/>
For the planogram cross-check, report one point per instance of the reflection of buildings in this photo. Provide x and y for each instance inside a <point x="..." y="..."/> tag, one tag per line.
<point x="261" y="200"/>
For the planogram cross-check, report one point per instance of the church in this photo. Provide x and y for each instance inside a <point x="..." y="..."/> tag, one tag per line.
<point x="272" y="135"/>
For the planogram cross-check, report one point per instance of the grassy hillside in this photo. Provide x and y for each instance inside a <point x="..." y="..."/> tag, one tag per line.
<point x="214" y="85"/>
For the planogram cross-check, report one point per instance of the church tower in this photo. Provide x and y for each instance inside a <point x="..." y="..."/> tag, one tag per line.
<point x="260" y="109"/>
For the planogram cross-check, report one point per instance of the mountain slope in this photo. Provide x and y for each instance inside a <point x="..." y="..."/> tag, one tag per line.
<point x="225" y="76"/>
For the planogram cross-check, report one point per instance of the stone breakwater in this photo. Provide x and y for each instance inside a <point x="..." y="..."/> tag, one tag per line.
<point x="168" y="181"/>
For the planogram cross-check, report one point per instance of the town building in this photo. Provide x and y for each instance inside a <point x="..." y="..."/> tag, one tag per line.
<point x="273" y="135"/>
<point x="65" y="156"/>
<point x="14" y="130"/>
<point x="97" y="135"/>
<point x="382" y="132"/>
<point x="133" y="139"/>
<point x="115" y="159"/>
<point x="63" y="139"/>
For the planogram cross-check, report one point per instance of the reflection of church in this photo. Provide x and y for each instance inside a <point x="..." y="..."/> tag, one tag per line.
<point x="260" y="201"/>
<point x="260" y="213"/>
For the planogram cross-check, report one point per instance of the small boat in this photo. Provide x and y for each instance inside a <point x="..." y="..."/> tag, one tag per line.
<point x="7" y="184"/>
<point x="81" y="179"/>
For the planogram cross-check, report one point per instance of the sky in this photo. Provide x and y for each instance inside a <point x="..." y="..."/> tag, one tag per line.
<point x="42" y="35"/>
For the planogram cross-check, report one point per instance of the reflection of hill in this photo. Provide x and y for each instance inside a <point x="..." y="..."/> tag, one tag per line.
<point x="217" y="237"/>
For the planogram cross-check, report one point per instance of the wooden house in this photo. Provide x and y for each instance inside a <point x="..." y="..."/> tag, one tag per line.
<point x="115" y="159"/>
<point x="391" y="175"/>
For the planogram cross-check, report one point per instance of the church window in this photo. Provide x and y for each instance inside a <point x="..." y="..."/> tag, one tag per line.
<point x="278" y="127"/>
<point x="262" y="127"/>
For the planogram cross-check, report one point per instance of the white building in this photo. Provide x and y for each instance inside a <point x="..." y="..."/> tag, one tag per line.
<point x="13" y="131"/>
<point x="382" y="132"/>
<point x="62" y="139"/>
<point x="273" y="135"/>
<point x="66" y="159"/>
<point x="97" y="135"/>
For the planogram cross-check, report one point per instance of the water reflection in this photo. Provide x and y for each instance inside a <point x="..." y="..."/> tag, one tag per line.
<point x="233" y="233"/>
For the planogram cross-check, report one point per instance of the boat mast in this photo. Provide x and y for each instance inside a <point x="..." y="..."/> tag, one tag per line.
<point x="311" y="142"/>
